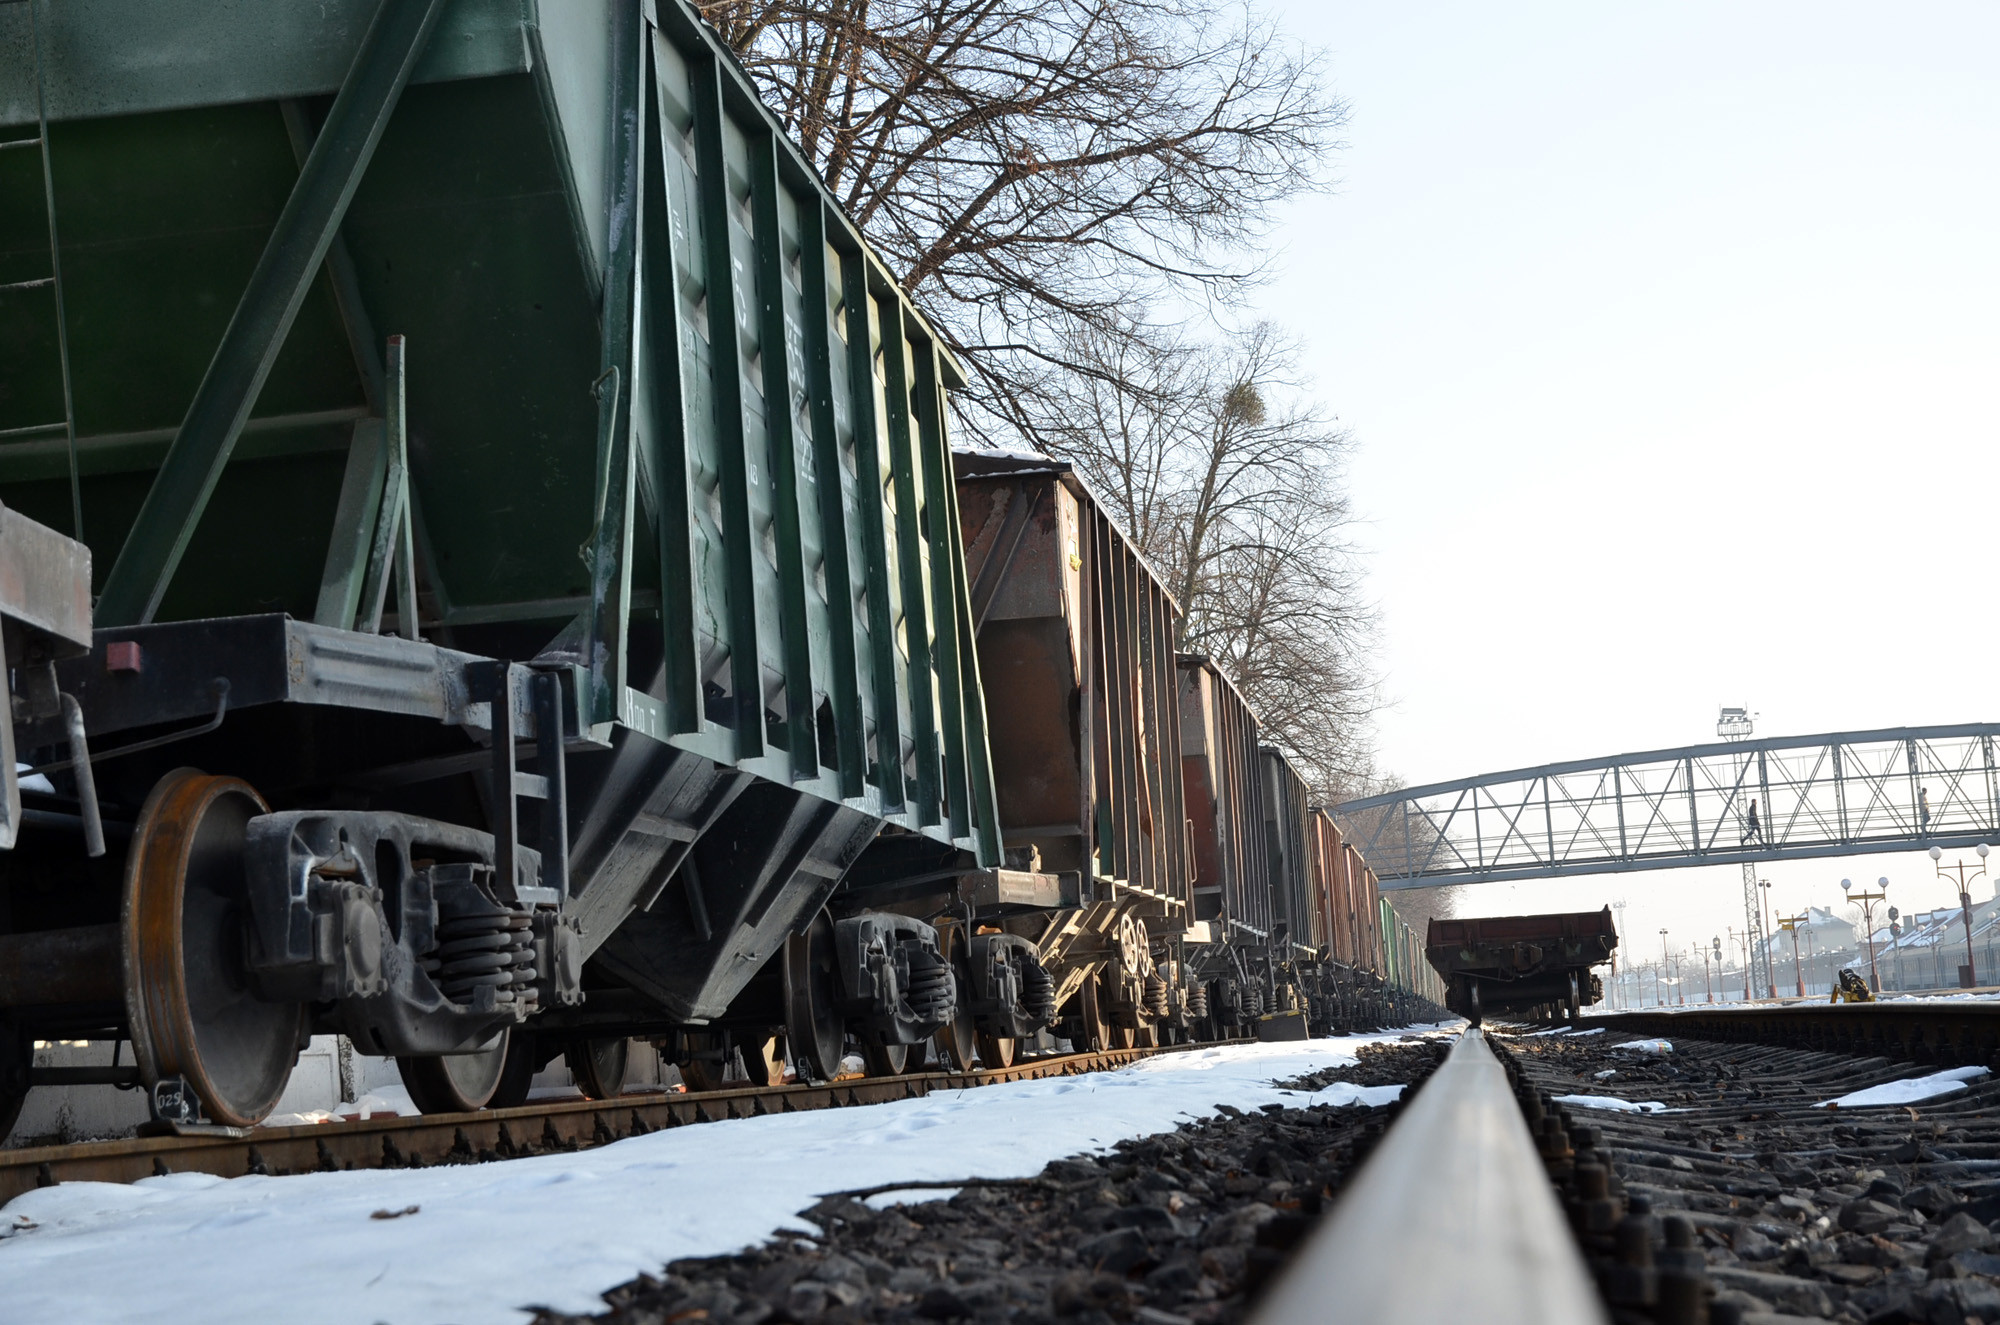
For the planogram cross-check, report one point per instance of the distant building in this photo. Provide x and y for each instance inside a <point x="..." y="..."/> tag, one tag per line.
<point x="1821" y="933"/>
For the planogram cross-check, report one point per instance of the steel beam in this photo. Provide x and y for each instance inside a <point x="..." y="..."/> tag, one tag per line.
<point x="256" y="332"/>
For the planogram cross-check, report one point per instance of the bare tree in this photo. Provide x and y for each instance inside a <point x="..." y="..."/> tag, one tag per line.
<point x="1227" y="476"/>
<point x="1036" y="169"/>
<point x="1040" y="174"/>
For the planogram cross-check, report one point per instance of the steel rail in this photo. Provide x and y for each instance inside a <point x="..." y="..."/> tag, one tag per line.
<point x="1452" y="1218"/>
<point x="1949" y="1034"/>
<point x="538" y="1128"/>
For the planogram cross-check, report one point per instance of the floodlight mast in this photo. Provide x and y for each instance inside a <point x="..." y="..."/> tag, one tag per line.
<point x="1737" y="724"/>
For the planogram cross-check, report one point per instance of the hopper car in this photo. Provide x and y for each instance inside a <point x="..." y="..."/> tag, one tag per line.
<point x="484" y="572"/>
<point x="1539" y="965"/>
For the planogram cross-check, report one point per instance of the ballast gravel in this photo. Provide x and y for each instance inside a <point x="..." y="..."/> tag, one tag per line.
<point x="1863" y="1216"/>
<point x="1184" y="1226"/>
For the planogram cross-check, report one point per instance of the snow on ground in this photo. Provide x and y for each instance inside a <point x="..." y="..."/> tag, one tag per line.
<point x="487" y="1241"/>
<point x="1562" y="1030"/>
<point x="1910" y="1089"/>
<point x="1646" y="1046"/>
<point x="1616" y="1105"/>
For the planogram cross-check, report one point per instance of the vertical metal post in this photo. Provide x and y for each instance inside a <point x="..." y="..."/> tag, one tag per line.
<point x="496" y="682"/>
<point x="55" y="273"/>
<point x="726" y="361"/>
<point x="611" y="539"/>
<point x="662" y="445"/>
<point x="1618" y="798"/>
<point x="776" y="353"/>
<point x="844" y="684"/>
<point x="256" y="332"/>
<point x="553" y="840"/>
<point x="390" y="557"/>
<point x="862" y="325"/>
<point x="905" y="461"/>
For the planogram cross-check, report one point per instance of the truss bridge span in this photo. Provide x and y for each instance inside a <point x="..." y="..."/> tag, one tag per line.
<point x="1730" y="802"/>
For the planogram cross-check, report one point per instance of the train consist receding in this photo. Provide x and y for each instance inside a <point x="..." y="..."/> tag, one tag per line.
<point x="1536" y="964"/>
<point x="537" y="604"/>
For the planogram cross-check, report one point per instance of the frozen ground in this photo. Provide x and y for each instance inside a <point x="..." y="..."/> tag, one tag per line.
<point x="481" y="1243"/>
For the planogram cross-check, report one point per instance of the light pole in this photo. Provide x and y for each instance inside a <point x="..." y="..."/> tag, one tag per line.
<point x="1791" y="925"/>
<point x="1707" y="984"/>
<point x="1868" y="900"/>
<point x="1616" y="985"/>
<point x="1680" y="990"/>
<point x="1770" y="967"/>
<point x="1965" y="972"/>
<point x="1744" y="944"/>
<point x="1896" y="939"/>
<point x="1716" y="942"/>
<point x="1663" y="966"/>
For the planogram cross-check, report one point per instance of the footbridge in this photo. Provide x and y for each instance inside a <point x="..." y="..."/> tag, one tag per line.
<point x="1731" y="802"/>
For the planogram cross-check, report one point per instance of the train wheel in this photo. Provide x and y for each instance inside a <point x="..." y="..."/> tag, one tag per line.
<point x="707" y="1060"/>
<point x="885" y="1060"/>
<point x="957" y="1039"/>
<point x="598" y="1066"/>
<point x="459" y="1083"/>
<point x="1090" y="1021"/>
<point x="15" y="1059"/>
<point x="813" y="1030"/>
<point x="1115" y="1036"/>
<point x="525" y="1057"/>
<point x="997" y="1051"/>
<point x="187" y="993"/>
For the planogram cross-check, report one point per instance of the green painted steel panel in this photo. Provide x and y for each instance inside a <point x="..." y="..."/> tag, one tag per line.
<point x="792" y="538"/>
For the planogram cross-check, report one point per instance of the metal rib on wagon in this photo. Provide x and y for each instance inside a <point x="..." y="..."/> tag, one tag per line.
<point x="514" y="486"/>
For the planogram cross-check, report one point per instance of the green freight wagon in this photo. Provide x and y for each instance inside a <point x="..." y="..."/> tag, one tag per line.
<point x="526" y="561"/>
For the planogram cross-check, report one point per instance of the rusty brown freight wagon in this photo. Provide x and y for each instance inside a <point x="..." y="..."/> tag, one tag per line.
<point x="1076" y="655"/>
<point x="1521" y="963"/>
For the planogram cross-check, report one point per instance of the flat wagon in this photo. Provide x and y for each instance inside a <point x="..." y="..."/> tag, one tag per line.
<point x="522" y="522"/>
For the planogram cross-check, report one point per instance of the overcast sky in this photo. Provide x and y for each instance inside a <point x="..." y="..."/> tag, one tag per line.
<point x="1667" y="338"/>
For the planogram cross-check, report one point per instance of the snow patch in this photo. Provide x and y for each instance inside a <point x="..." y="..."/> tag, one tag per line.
<point x="1616" y="1105"/>
<point x="1646" y="1046"/>
<point x="1910" y="1089"/>
<point x="1342" y="1094"/>
<point x="490" y="1241"/>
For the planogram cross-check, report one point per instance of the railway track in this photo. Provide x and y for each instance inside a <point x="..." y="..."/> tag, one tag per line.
<point x="1947" y="1032"/>
<point x="1731" y="1175"/>
<point x="494" y="1134"/>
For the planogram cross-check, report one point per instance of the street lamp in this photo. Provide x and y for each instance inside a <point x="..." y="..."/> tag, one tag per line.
<point x="1868" y="900"/>
<point x="1663" y="965"/>
<point x="1617" y="985"/>
<point x="1965" y="972"/>
<point x="1790" y="924"/>
<point x="1896" y="941"/>
<point x="1770" y="970"/>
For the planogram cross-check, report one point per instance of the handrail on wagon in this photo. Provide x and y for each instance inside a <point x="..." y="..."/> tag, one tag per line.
<point x="1452" y="1218"/>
